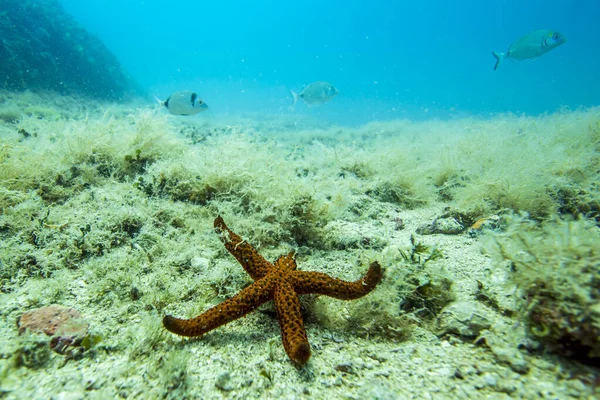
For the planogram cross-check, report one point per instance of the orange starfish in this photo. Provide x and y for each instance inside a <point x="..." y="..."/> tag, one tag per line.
<point x="279" y="281"/>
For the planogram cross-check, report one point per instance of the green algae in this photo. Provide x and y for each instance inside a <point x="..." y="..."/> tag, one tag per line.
<point x="110" y="210"/>
<point x="557" y="267"/>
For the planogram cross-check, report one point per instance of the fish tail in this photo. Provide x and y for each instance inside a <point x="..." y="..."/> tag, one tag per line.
<point x="499" y="58"/>
<point x="160" y="102"/>
<point x="294" y="98"/>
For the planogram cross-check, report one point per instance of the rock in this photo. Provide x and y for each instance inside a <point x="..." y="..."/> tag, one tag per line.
<point x="66" y="325"/>
<point x="52" y="320"/>
<point x="511" y="357"/>
<point x="42" y="46"/>
<point x="446" y="226"/>
<point x="223" y="382"/>
<point x="200" y="263"/>
<point x="465" y="319"/>
<point x="345" y="367"/>
<point x="483" y="224"/>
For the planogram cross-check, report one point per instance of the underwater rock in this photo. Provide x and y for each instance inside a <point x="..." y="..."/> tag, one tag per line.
<point x="512" y="358"/>
<point x="66" y="325"/>
<point x="505" y="352"/>
<point x="43" y="48"/>
<point x="488" y="223"/>
<point x="465" y="319"/>
<point x="223" y="382"/>
<point x="446" y="226"/>
<point x="200" y="264"/>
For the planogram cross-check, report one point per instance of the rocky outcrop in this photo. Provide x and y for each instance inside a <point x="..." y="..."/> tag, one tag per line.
<point x="43" y="48"/>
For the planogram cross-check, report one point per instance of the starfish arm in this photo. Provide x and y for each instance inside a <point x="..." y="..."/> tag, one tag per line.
<point x="293" y="333"/>
<point x="285" y="262"/>
<point x="254" y="264"/>
<point x="319" y="283"/>
<point x="231" y="309"/>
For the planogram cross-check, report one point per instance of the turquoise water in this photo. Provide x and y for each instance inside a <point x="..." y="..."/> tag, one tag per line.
<point x="389" y="59"/>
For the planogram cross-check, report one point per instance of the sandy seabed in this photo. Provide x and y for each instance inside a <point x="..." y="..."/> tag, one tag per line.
<point x="108" y="209"/>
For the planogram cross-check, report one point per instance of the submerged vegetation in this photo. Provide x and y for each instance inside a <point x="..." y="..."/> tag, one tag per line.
<point x="557" y="269"/>
<point x="109" y="210"/>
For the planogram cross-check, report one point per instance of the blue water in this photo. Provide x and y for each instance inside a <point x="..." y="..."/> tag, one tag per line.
<point x="389" y="59"/>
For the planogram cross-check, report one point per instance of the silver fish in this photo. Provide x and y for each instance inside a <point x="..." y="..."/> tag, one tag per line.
<point x="315" y="93"/>
<point x="531" y="46"/>
<point x="184" y="102"/>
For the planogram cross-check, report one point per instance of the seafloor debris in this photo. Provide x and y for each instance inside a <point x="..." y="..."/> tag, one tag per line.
<point x="465" y="319"/>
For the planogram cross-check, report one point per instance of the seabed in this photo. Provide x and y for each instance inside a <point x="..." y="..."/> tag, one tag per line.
<point x="108" y="209"/>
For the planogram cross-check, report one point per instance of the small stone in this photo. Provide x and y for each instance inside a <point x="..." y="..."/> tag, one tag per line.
<point x="519" y="365"/>
<point x="380" y="390"/>
<point x="135" y="293"/>
<point x="446" y="226"/>
<point x="507" y="387"/>
<point x="465" y="319"/>
<point x="458" y="374"/>
<point x="445" y="371"/>
<point x="200" y="263"/>
<point x="345" y="367"/>
<point x="66" y="326"/>
<point x="223" y="382"/>
<point x="512" y="358"/>
<point x="490" y="380"/>
<point x="54" y="320"/>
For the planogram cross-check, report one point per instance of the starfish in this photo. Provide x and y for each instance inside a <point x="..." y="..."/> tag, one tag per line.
<point x="280" y="282"/>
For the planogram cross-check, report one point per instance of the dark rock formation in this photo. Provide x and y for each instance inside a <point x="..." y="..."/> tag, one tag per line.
<point x="43" y="48"/>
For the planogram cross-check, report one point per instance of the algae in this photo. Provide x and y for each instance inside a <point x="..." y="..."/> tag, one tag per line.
<point x="557" y="267"/>
<point x="108" y="209"/>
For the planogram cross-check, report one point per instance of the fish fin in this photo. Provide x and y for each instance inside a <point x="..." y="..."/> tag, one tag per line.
<point x="162" y="103"/>
<point x="499" y="58"/>
<point x="294" y="98"/>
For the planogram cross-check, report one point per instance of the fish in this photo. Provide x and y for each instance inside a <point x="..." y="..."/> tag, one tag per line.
<point x="531" y="46"/>
<point x="184" y="102"/>
<point x="315" y="93"/>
